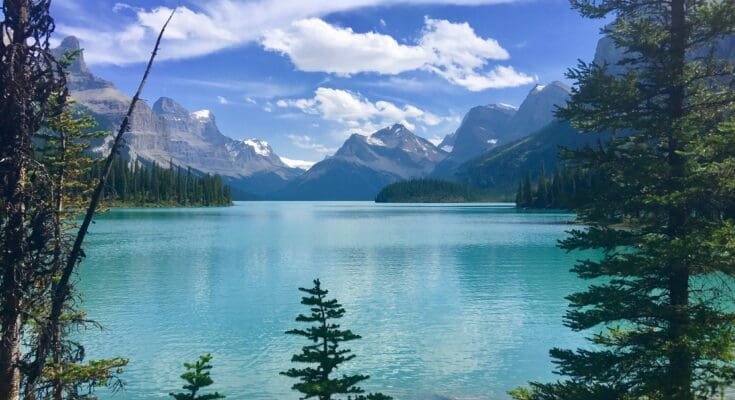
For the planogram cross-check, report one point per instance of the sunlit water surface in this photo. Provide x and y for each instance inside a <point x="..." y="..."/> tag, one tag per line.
<point x="452" y="301"/>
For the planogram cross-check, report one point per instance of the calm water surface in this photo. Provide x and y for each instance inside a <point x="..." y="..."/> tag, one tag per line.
<point x="452" y="301"/>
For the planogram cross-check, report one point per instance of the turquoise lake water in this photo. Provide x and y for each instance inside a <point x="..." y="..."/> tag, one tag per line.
<point x="452" y="301"/>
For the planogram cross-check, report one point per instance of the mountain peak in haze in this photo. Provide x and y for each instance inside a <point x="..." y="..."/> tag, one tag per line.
<point x="71" y="44"/>
<point x="169" y="106"/>
<point x="537" y="110"/>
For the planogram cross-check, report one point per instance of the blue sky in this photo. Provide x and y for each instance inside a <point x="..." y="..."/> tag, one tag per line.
<point x="303" y="74"/>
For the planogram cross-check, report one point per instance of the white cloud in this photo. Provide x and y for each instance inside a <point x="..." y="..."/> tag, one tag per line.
<point x="308" y="142"/>
<point x="222" y="100"/>
<point x="249" y="89"/>
<point x="450" y="50"/>
<point x="199" y="30"/>
<point x="358" y="114"/>
<point x="301" y="164"/>
<point x="314" y="45"/>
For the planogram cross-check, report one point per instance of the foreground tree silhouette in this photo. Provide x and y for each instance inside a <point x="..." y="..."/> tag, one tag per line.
<point x="197" y="377"/>
<point x="325" y="352"/>
<point x="661" y="303"/>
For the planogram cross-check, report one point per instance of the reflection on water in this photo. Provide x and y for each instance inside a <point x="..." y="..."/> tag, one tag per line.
<point x="460" y="301"/>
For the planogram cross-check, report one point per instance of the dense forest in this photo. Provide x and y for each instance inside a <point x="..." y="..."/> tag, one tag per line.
<point x="428" y="191"/>
<point x="135" y="184"/>
<point x="567" y="189"/>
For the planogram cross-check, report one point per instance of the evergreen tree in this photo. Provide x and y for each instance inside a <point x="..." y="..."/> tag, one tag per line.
<point x="139" y="185"/>
<point x="427" y="191"/>
<point x="527" y="194"/>
<point x="65" y="139"/>
<point x="542" y="194"/>
<point x="326" y="337"/>
<point x="659" y="307"/>
<point x="197" y="377"/>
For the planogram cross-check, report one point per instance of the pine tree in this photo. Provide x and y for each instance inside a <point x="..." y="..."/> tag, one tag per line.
<point x="542" y="194"/>
<point x="197" y="377"/>
<point x="527" y="194"/>
<point x="663" y="327"/>
<point x="325" y="352"/>
<point x="65" y="139"/>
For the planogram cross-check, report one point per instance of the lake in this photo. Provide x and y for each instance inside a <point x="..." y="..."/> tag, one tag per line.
<point x="452" y="301"/>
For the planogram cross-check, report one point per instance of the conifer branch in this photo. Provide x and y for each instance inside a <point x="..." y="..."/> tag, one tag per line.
<point x="62" y="288"/>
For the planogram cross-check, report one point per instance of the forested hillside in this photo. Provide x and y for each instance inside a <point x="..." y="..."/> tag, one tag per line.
<point x="565" y="189"/>
<point x="135" y="184"/>
<point x="428" y="191"/>
<point x="501" y="169"/>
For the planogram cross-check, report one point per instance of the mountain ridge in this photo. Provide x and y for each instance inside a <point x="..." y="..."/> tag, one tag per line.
<point x="364" y="165"/>
<point x="168" y="132"/>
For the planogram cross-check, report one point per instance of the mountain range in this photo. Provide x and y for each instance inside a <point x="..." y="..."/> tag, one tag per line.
<point x="364" y="165"/>
<point x="494" y="146"/>
<point x="484" y="128"/>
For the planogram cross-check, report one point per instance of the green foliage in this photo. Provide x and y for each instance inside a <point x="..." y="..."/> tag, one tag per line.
<point x="326" y="337"/>
<point x="660" y="304"/>
<point x="139" y="185"/>
<point x="62" y="150"/>
<point x="427" y="191"/>
<point x="95" y="373"/>
<point x="64" y="143"/>
<point x="197" y="377"/>
<point x="567" y="189"/>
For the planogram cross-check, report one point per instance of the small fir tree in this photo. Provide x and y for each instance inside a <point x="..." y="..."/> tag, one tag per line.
<point x="197" y="377"/>
<point x="325" y="352"/>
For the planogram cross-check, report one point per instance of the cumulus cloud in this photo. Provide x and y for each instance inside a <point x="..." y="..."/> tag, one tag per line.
<point x="450" y="50"/>
<point x="358" y="114"/>
<point x="309" y="143"/>
<point x="203" y="29"/>
<point x="222" y="100"/>
<point x="314" y="45"/>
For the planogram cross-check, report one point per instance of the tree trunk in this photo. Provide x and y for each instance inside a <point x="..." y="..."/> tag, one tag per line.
<point x="680" y="363"/>
<point x="14" y="149"/>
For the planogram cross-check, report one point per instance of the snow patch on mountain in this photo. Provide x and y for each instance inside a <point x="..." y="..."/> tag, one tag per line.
<point x="260" y="147"/>
<point x="202" y="115"/>
<point x="300" y="164"/>
<point x="375" y="141"/>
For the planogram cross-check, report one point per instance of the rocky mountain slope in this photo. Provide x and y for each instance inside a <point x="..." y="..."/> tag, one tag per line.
<point x="500" y="169"/>
<point x="484" y="128"/>
<point x="167" y="132"/>
<point x="364" y="165"/>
